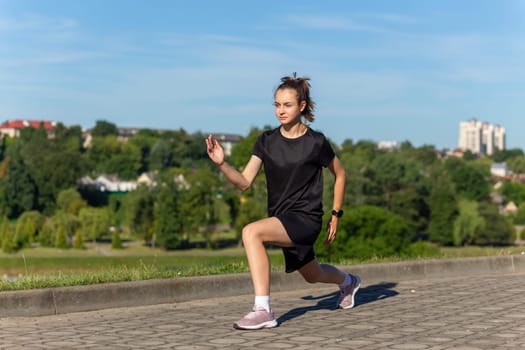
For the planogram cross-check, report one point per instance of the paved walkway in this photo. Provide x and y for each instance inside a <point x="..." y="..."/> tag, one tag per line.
<point x="479" y="312"/>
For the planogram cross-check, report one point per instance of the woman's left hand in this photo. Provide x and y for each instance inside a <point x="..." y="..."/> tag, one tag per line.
<point x="331" y="229"/>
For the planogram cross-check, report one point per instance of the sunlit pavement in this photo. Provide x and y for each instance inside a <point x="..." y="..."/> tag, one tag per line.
<point x="470" y="312"/>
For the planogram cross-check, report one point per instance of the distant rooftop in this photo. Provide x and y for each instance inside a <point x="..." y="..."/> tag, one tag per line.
<point x="22" y="123"/>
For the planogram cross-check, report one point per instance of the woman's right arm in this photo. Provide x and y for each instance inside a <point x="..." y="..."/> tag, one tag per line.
<point x="243" y="180"/>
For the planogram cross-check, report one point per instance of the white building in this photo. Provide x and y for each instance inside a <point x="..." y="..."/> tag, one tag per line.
<point x="481" y="137"/>
<point x="387" y="145"/>
<point x="228" y="141"/>
<point x="500" y="169"/>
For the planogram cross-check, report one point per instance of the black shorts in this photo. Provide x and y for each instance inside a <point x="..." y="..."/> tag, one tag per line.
<point x="303" y="230"/>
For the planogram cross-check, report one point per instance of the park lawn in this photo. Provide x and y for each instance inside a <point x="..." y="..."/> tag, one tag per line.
<point x="48" y="267"/>
<point x="99" y="263"/>
<point x="472" y="251"/>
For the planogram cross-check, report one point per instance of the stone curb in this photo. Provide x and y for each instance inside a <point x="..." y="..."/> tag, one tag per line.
<point x="51" y="301"/>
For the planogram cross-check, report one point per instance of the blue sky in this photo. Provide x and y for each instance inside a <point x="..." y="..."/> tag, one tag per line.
<point x="381" y="70"/>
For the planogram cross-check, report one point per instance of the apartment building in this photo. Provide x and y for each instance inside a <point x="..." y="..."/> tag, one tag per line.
<point x="481" y="137"/>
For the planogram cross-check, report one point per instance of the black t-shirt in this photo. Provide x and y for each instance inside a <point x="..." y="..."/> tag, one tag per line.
<point x="293" y="169"/>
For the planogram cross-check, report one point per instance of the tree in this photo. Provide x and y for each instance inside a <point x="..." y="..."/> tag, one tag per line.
<point x="365" y="148"/>
<point x="61" y="239"/>
<point x="468" y="155"/>
<point x="28" y="227"/>
<point x="410" y="203"/>
<point x="468" y="223"/>
<point x="20" y="238"/>
<point x="359" y="184"/>
<point x="517" y="164"/>
<point x="443" y="207"/>
<point x="109" y="155"/>
<point x="161" y="156"/>
<point x="397" y="184"/>
<point x="388" y="172"/>
<point x="470" y="181"/>
<point x="502" y="155"/>
<point x="198" y="202"/>
<point x="70" y="201"/>
<point x="19" y="188"/>
<point x="68" y="223"/>
<point x="54" y="164"/>
<point x="168" y="218"/>
<point x="8" y="243"/>
<point x="116" y="242"/>
<point x="3" y="146"/>
<point x="104" y="128"/>
<point x="78" y="240"/>
<point x="125" y="163"/>
<point x="46" y="238"/>
<point x="497" y="229"/>
<point x="144" y="141"/>
<point x="179" y="141"/>
<point x="519" y="218"/>
<point x="101" y="150"/>
<point x="425" y="155"/>
<point x="139" y="212"/>
<point x="513" y="191"/>
<point x="231" y="197"/>
<point x="243" y="149"/>
<point x="95" y="222"/>
<point x="70" y="138"/>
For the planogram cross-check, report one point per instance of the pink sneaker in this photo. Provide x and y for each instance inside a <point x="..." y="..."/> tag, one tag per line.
<point x="346" y="298"/>
<point x="257" y="319"/>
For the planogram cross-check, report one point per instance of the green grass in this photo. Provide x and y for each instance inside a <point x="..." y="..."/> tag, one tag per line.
<point x="46" y="267"/>
<point x="471" y="251"/>
<point x="68" y="271"/>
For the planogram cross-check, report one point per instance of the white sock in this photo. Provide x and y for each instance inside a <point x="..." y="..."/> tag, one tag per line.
<point x="347" y="281"/>
<point x="263" y="301"/>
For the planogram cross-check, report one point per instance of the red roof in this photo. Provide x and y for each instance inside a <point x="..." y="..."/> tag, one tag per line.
<point x="20" y="124"/>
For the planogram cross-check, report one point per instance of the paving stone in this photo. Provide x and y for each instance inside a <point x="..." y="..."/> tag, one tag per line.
<point x="436" y="314"/>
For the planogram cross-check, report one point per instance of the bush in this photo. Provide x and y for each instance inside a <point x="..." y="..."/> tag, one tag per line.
<point x="116" y="242"/>
<point x="497" y="229"/>
<point x="366" y="232"/>
<point x="61" y="238"/>
<point x="46" y="238"/>
<point x="78" y="240"/>
<point x="6" y="237"/>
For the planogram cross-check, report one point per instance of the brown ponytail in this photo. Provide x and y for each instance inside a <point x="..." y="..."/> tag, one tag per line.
<point x="302" y="87"/>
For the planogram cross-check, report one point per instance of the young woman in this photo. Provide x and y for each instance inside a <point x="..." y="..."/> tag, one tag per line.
<point x="293" y="156"/>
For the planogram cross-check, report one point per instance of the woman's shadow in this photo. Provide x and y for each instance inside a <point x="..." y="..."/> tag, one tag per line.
<point x="327" y="301"/>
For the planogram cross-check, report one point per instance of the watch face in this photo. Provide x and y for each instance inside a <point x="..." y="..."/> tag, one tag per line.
<point x="337" y="213"/>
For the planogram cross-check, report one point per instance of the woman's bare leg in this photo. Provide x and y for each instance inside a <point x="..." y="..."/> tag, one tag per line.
<point x="313" y="272"/>
<point x="254" y="238"/>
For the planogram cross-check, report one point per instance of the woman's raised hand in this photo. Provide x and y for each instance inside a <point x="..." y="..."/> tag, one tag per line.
<point x="215" y="151"/>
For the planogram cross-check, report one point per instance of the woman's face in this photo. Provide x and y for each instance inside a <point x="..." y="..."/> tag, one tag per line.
<point x="287" y="108"/>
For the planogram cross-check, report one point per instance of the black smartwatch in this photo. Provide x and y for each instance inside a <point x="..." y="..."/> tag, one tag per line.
<point x="337" y="213"/>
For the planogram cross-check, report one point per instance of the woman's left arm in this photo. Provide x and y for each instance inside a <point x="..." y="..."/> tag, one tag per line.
<point x="338" y="170"/>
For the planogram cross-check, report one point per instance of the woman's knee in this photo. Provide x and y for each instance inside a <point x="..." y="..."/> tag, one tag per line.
<point x="249" y="233"/>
